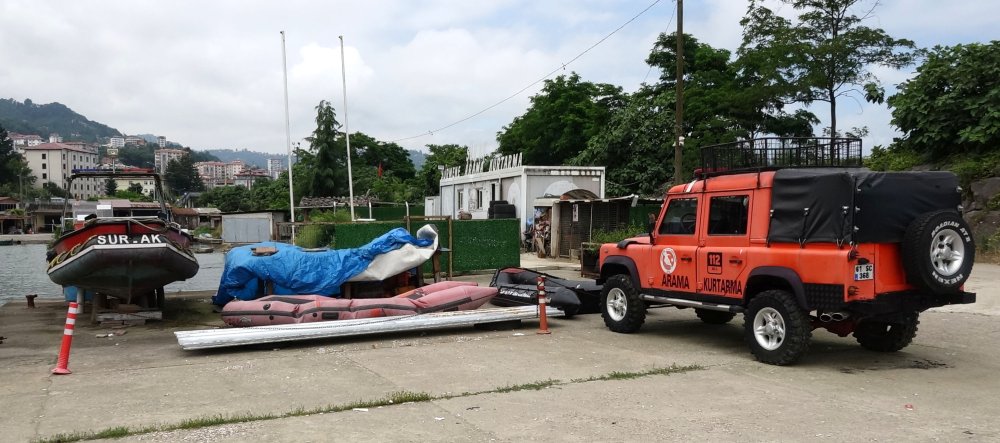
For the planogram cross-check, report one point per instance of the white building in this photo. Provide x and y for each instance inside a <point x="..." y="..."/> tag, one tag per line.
<point x="55" y="138"/>
<point x="117" y="142"/>
<point x="275" y="166"/>
<point x="135" y="140"/>
<point x="162" y="157"/>
<point x="148" y="185"/>
<point x="234" y="167"/>
<point x="55" y="162"/>
<point x="466" y="189"/>
<point x="161" y="141"/>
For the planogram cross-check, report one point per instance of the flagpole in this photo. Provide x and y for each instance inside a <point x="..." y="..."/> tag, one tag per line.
<point x="347" y="131"/>
<point x="288" y="137"/>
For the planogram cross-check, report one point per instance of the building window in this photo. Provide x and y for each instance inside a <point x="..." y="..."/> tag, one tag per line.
<point x="45" y="166"/>
<point x="45" y="176"/>
<point x="43" y="156"/>
<point x="460" y="201"/>
<point x="478" y="203"/>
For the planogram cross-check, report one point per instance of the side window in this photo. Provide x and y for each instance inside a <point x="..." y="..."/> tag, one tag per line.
<point x="727" y="215"/>
<point x="681" y="217"/>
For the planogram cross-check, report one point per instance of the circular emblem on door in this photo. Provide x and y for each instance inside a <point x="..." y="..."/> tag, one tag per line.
<point x="668" y="261"/>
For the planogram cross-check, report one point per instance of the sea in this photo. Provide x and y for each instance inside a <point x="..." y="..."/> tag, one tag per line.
<point x="22" y="272"/>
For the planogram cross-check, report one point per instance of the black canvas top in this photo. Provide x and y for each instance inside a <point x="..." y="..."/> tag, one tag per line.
<point x="855" y="205"/>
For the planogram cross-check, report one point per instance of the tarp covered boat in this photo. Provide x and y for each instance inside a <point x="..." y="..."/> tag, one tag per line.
<point x="518" y="287"/>
<point x="122" y="256"/>
<point x="293" y="270"/>
<point x="289" y="309"/>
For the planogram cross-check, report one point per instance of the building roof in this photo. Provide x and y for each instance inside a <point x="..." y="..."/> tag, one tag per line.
<point x="208" y="211"/>
<point x="60" y="147"/>
<point x="185" y="211"/>
<point x="8" y="200"/>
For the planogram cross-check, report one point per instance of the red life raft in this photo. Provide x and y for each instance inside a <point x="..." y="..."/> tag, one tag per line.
<point x="288" y="309"/>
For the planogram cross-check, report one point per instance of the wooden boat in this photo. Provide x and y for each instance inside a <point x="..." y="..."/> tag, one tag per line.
<point x="289" y="309"/>
<point x="122" y="256"/>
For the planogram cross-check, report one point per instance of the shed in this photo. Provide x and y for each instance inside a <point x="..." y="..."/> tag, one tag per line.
<point x="251" y="227"/>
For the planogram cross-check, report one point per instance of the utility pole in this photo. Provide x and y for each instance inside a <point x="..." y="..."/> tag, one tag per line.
<point x="679" y="111"/>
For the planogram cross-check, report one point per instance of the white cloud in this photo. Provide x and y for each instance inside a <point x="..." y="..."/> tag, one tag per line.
<point x="209" y="74"/>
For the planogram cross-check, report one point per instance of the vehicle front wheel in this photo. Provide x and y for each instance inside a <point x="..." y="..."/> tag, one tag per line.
<point x="776" y="329"/>
<point x="623" y="310"/>
<point x="714" y="317"/>
<point x="887" y="335"/>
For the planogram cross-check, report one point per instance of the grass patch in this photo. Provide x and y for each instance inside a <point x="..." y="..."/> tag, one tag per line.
<point x="393" y="398"/>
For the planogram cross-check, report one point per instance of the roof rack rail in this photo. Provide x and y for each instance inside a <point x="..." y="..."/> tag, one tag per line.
<point x="772" y="153"/>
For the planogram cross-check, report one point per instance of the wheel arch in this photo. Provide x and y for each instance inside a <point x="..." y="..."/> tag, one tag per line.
<point x="621" y="265"/>
<point x="775" y="277"/>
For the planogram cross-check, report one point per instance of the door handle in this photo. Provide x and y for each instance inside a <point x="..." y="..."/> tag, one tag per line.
<point x="735" y="261"/>
<point x="686" y="258"/>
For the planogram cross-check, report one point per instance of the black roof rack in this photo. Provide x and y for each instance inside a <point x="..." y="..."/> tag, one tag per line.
<point x="772" y="153"/>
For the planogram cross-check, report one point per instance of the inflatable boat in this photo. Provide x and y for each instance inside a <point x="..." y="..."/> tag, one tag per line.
<point x="289" y="309"/>
<point x="519" y="287"/>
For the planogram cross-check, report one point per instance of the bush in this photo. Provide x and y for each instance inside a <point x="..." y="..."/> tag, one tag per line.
<point x="318" y="236"/>
<point x="889" y="159"/>
<point x="602" y="236"/>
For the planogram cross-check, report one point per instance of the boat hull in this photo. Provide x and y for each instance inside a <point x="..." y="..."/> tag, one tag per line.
<point x="122" y="257"/>
<point x="123" y="270"/>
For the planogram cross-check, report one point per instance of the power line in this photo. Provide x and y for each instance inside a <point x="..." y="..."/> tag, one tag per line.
<point x="561" y="67"/>
<point x="673" y="14"/>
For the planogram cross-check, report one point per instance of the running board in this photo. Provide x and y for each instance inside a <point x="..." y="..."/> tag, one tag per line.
<point x="735" y="309"/>
<point x="219" y="338"/>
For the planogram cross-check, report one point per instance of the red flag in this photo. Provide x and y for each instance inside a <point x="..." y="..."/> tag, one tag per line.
<point x="379" y="169"/>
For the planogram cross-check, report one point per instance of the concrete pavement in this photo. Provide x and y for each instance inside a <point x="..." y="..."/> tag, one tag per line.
<point x="941" y="387"/>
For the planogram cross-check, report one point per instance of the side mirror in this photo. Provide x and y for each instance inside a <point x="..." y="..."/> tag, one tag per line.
<point x="649" y="227"/>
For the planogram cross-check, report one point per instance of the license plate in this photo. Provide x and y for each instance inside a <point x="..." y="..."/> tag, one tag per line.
<point x="864" y="272"/>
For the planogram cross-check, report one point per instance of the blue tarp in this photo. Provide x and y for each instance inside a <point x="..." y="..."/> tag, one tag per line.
<point x="295" y="271"/>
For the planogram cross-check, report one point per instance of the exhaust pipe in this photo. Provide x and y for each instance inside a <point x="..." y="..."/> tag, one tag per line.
<point x="840" y="315"/>
<point x="834" y="316"/>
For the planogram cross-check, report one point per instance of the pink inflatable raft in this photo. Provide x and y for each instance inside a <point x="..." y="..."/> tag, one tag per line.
<point x="288" y="309"/>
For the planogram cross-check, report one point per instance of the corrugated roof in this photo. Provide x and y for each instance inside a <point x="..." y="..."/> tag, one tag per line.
<point x="184" y="211"/>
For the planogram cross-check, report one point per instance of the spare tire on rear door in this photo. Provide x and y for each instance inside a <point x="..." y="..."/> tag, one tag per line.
<point x="938" y="252"/>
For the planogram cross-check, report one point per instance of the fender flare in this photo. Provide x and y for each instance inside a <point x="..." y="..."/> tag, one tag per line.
<point x="788" y="275"/>
<point x="628" y="263"/>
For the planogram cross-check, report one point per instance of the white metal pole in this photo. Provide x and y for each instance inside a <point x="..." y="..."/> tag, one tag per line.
<point x="347" y="130"/>
<point x="288" y="137"/>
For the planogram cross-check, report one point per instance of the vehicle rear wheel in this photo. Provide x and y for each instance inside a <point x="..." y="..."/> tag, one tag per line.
<point x="938" y="252"/>
<point x="714" y="317"/>
<point x="623" y="310"/>
<point x="887" y="335"/>
<point x="776" y="329"/>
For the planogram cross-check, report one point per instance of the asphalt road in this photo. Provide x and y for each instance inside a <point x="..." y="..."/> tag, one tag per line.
<point x="942" y="387"/>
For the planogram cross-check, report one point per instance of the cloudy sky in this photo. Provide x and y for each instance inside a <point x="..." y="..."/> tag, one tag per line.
<point x="208" y="74"/>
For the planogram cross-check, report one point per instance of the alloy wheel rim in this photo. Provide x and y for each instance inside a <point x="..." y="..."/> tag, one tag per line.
<point x="769" y="328"/>
<point x="947" y="252"/>
<point x="616" y="304"/>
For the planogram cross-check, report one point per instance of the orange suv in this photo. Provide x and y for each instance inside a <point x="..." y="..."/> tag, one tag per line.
<point x="795" y="235"/>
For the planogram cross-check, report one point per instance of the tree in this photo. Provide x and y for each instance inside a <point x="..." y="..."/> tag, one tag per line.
<point x="182" y="176"/>
<point x="823" y="55"/>
<point x="721" y="105"/>
<point x="560" y="120"/>
<point x="429" y="177"/>
<point x="135" y="188"/>
<point x="952" y="105"/>
<point x="329" y="174"/>
<point x="110" y="187"/>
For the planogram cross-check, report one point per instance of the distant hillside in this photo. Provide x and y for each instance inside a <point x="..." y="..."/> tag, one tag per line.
<point x="418" y="158"/>
<point x="30" y="118"/>
<point x="258" y="159"/>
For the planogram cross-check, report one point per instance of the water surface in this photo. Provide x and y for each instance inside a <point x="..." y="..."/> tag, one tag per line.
<point x="22" y="271"/>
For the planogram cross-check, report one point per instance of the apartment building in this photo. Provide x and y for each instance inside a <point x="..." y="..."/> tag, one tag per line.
<point x="55" y="162"/>
<point x="162" y="157"/>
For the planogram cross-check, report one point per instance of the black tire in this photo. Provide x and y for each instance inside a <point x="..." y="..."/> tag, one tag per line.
<point x="714" y="317"/>
<point x="776" y="329"/>
<point x="938" y="252"/>
<point x="621" y="307"/>
<point x="887" y="335"/>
